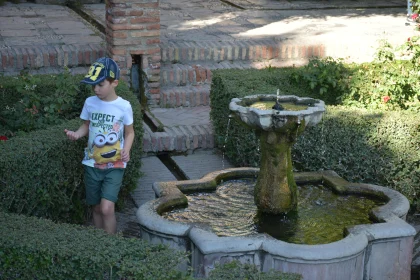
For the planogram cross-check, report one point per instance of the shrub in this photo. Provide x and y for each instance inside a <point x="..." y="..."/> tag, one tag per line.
<point x="235" y="270"/>
<point x="36" y="102"/>
<point x="41" y="172"/>
<point x="32" y="248"/>
<point x="387" y="83"/>
<point x="327" y="77"/>
<point x="390" y="82"/>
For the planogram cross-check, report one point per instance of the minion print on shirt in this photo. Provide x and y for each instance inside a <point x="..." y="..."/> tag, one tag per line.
<point x="106" y="144"/>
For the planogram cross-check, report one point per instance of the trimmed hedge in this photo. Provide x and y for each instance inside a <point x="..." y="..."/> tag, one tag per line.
<point x="235" y="270"/>
<point x="379" y="147"/>
<point x="41" y="172"/>
<point x="32" y="248"/>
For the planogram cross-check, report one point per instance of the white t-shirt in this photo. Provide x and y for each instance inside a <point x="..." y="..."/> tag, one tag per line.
<point x="106" y="131"/>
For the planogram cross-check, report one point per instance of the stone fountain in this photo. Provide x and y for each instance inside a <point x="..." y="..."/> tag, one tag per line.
<point x="380" y="250"/>
<point x="278" y="129"/>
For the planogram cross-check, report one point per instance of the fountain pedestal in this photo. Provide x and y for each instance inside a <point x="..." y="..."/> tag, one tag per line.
<point x="275" y="190"/>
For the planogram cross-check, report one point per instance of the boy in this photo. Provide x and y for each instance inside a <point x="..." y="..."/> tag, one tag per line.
<point x="108" y="121"/>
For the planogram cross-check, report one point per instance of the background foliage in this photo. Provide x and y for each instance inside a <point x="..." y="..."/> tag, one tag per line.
<point x="31" y="102"/>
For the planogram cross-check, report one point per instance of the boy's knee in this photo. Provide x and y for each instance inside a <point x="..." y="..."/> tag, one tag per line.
<point x="107" y="207"/>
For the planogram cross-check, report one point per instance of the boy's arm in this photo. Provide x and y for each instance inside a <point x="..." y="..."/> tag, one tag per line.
<point x="82" y="131"/>
<point x="128" y="142"/>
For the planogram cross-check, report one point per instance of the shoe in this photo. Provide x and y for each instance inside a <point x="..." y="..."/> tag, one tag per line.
<point x="410" y="20"/>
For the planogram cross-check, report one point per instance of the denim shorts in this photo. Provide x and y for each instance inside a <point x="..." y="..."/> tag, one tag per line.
<point x="102" y="183"/>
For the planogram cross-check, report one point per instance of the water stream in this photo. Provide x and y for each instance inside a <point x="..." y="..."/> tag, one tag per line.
<point x="225" y="141"/>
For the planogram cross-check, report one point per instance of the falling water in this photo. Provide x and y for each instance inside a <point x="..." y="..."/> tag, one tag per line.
<point x="225" y="141"/>
<point x="323" y="142"/>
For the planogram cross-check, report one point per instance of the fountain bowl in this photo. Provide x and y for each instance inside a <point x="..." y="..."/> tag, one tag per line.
<point x="381" y="250"/>
<point x="272" y="120"/>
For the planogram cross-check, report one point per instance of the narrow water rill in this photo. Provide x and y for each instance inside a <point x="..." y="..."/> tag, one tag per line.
<point x="312" y="223"/>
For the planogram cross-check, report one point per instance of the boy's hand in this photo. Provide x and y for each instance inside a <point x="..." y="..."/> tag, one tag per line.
<point x="125" y="156"/>
<point x="71" y="134"/>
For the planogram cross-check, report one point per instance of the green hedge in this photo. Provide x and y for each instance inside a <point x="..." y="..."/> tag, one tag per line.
<point x="236" y="270"/>
<point x="41" y="172"/>
<point x="32" y="248"/>
<point x="380" y="147"/>
<point x="77" y="252"/>
<point x="31" y="102"/>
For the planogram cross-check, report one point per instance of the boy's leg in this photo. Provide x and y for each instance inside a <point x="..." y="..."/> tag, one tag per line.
<point x="109" y="222"/>
<point x="97" y="216"/>
<point x="110" y="190"/>
<point x="93" y="183"/>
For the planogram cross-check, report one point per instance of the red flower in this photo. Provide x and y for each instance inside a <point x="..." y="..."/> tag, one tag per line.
<point x="408" y="39"/>
<point x="386" y="98"/>
<point x="3" y="138"/>
<point x="414" y="16"/>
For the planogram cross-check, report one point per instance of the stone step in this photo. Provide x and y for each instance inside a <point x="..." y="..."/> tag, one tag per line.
<point x="182" y="138"/>
<point x="179" y="130"/>
<point x="182" y="74"/>
<point x="188" y="85"/>
<point x="33" y="58"/>
<point x="239" y="50"/>
<point x="185" y="96"/>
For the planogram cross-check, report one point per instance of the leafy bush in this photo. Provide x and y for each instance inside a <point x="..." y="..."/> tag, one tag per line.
<point x="41" y="172"/>
<point x="387" y="83"/>
<point x="327" y="77"/>
<point x="390" y="82"/>
<point x="32" y="248"/>
<point x="35" y="102"/>
<point x="236" y="270"/>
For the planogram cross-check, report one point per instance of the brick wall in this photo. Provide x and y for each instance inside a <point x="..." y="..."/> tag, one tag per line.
<point x="133" y="29"/>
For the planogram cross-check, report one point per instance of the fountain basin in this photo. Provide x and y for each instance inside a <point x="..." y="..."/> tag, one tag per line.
<point x="374" y="251"/>
<point x="274" y="120"/>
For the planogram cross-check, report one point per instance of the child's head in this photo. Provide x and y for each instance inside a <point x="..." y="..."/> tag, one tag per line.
<point x="103" y="68"/>
<point x="103" y="77"/>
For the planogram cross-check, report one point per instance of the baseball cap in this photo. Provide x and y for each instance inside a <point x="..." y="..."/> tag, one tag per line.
<point x="103" y="68"/>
